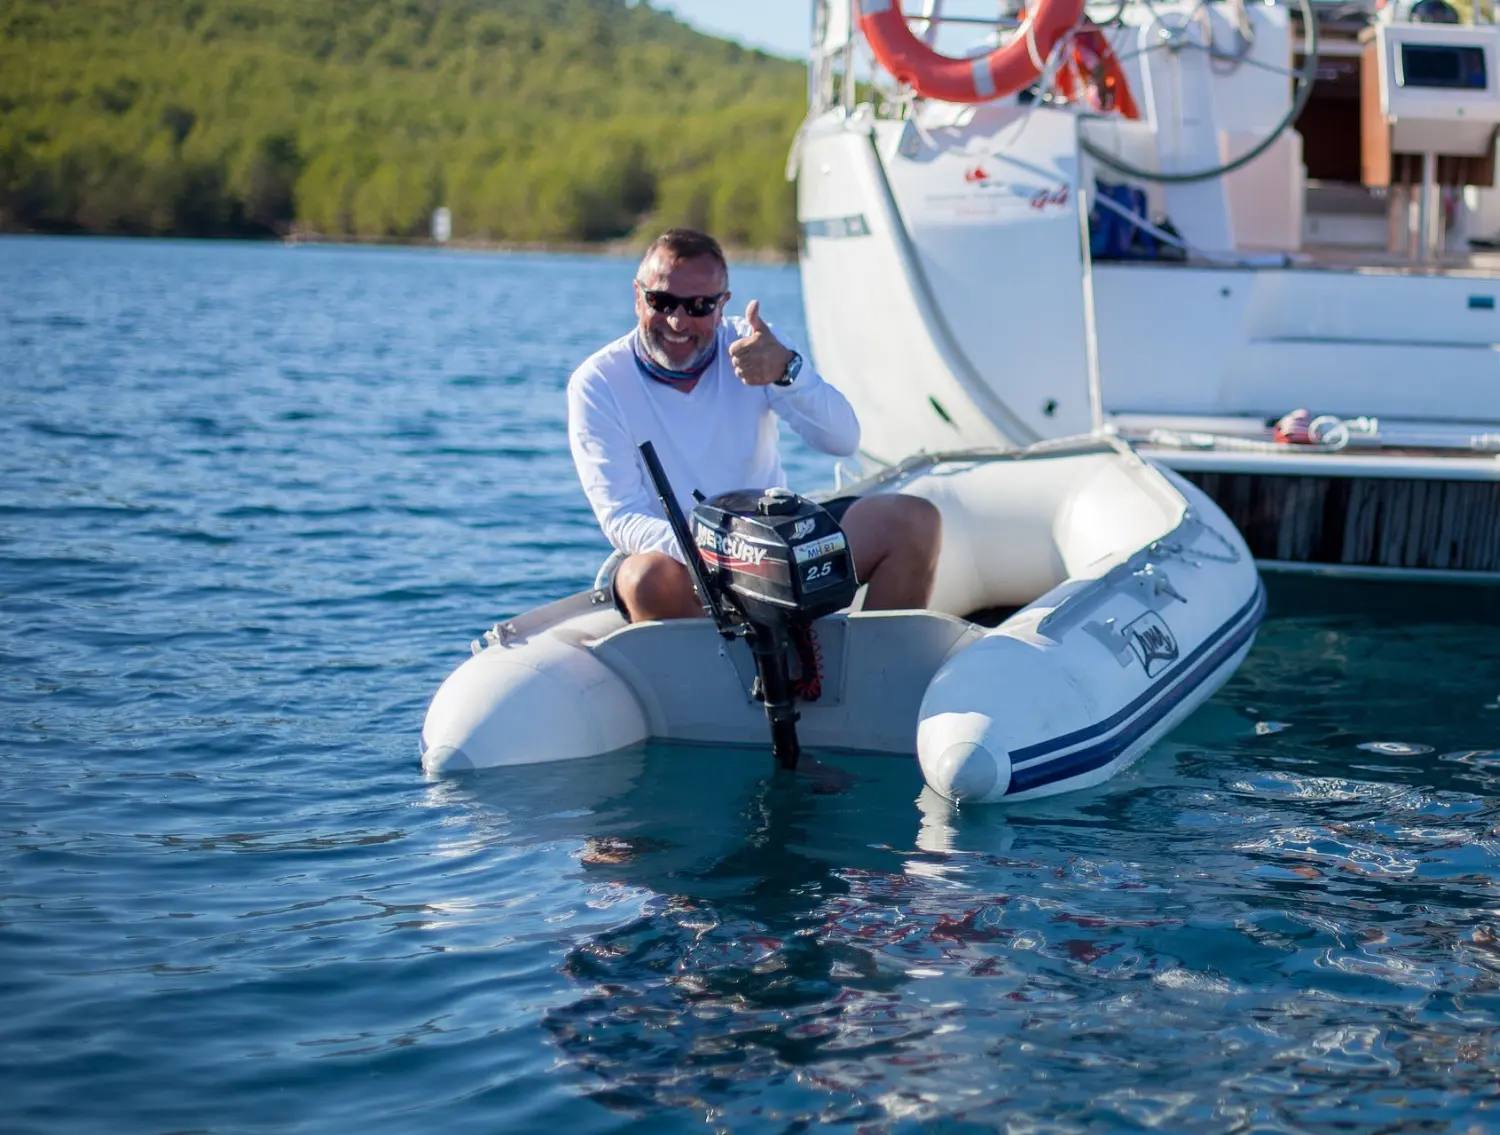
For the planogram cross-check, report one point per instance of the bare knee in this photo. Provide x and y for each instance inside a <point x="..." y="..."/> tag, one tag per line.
<point x="882" y="526"/>
<point x="895" y="540"/>
<point x="917" y="535"/>
<point x="652" y="585"/>
<point x="920" y="524"/>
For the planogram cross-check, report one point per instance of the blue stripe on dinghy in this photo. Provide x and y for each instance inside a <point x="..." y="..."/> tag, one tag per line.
<point x="1255" y="606"/>
<point x="1148" y="709"/>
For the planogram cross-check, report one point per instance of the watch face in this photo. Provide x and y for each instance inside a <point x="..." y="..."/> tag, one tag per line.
<point x="793" y="369"/>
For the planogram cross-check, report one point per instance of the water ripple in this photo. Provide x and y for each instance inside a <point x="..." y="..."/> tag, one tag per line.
<point x="234" y="566"/>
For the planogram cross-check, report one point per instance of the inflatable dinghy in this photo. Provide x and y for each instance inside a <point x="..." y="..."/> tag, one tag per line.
<point x="1085" y="603"/>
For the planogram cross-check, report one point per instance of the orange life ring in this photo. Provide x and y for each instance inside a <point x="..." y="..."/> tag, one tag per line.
<point x="1095" y="68"/>
<point x="1002" y="72"/>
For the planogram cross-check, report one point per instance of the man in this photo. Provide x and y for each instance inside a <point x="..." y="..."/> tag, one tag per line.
<point x="707" y="391"/>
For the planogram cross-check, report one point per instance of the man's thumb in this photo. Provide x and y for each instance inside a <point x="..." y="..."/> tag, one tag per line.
<point x="752" y="316"/>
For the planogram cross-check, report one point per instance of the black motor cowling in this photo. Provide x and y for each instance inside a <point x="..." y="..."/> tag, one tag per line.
<point x="774" y="556"/>
<point x="773" y="562"/>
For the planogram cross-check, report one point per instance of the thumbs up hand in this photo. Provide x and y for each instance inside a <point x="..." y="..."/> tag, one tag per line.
<point x="759" y="358"/>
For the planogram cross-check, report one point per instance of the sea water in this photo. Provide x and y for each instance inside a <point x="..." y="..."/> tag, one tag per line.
<point x="255" y="501"/>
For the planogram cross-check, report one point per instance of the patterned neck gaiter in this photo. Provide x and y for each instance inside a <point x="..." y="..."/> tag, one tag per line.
<point x="652" y="369"/>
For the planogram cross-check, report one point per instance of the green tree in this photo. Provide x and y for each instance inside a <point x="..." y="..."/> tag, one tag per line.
<point x="535" y="120"/>
<point x="270" y="201"/>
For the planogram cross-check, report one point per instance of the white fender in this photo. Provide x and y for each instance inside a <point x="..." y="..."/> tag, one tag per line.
<point x="544" y="701"/>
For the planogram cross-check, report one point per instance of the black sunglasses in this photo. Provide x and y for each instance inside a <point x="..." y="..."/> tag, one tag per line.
<point x="695" y="306"/>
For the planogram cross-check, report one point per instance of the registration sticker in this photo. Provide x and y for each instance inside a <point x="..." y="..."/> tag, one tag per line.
<point x="815" y="548"/>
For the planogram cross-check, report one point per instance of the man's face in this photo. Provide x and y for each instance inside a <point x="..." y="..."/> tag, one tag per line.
<point x="674" y="339"/>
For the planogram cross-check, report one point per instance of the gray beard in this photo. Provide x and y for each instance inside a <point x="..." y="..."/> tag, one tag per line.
<point x="657" y="354"/>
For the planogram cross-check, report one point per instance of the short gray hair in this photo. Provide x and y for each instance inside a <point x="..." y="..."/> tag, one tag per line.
<point x="687" y="244"/>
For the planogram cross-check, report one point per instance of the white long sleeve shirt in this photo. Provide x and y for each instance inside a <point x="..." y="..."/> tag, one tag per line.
<point x="719" y="436"/>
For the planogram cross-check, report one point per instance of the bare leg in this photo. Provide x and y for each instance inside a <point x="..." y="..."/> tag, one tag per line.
<point x="895" y="541"/>
<point x="653" y="585"/>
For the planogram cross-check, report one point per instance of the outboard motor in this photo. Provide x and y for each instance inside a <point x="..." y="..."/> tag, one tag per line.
<point x="766" y="565"/>
<point x="773" y="563"/>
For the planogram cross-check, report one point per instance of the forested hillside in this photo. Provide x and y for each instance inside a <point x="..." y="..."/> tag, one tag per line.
<point x="532" y="120"/>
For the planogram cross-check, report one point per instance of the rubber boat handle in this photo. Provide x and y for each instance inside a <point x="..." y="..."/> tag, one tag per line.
<point x="684" y="538"/>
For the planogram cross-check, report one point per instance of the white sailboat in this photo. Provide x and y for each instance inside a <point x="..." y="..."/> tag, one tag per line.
<point x="1246" y="238"/>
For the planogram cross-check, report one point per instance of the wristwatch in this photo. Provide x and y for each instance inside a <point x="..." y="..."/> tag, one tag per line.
<point x="793" y="369"/>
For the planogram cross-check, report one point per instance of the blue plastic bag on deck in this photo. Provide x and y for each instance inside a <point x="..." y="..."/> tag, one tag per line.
<point x="1113" y="237"/>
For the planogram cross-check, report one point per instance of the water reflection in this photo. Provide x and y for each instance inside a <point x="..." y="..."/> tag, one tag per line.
<point x="1237" y="930"/>
<point x="842" y="947"/>
<point x="782" y="922"/>
<point x="712" y="824"/>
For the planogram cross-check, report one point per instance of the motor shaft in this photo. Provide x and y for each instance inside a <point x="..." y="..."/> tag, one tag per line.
<point x="769" y="647"/>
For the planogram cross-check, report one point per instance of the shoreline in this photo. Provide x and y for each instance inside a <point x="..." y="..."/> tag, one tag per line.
<point x="626" y="248"/>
